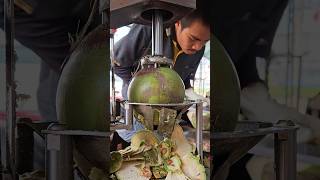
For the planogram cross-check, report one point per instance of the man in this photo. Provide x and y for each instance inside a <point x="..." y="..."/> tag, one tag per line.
<point x="185" y="46"/>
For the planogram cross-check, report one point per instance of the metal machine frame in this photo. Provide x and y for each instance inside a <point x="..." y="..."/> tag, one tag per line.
<point x="285" y="146"/>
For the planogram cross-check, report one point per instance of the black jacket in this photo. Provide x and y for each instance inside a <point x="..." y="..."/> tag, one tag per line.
<point x="137" y="43"/>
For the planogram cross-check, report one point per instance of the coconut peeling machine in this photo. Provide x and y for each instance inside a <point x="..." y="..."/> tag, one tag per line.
<point x="159" y="15"/>
<point x="82" y="135"/>
<point x="161" y="113"/>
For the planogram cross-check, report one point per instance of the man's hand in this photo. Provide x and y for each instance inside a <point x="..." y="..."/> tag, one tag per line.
<point x="191" y="95"/>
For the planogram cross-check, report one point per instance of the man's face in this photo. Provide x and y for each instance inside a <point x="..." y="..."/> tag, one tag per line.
<point x="192" y="38"/>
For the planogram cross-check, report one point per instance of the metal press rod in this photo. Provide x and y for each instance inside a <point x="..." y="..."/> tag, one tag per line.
<point x="199" y="126"/>
<point x="129" y="116"/>
<point x="59" y="155"/>
<point x="285" y="150"/>
<point x="157" y="33"/>
<point x="113" y="81"/>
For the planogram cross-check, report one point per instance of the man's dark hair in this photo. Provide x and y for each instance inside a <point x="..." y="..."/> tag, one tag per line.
<point x="197" y="14"/>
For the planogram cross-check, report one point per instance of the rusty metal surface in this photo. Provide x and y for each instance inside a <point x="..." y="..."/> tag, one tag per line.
<point x="124" y="12"/>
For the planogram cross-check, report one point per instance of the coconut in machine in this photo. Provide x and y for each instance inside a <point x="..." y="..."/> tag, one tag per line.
<point x="156" y="116"/>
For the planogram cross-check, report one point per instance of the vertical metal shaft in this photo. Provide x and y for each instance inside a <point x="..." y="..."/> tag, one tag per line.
<point x="113" y="114"/>
<point x="8" y="128"/>
<point x="285" y="155"/>
<point x="199" y="127"/>
<point x="59" y="156"/>
<point x="103" y="9"/>
<point x="129" y="116"/>
<point x="157" y="33"/>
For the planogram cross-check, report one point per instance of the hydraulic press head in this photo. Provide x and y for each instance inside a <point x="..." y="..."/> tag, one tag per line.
<point x="124" y="12"/>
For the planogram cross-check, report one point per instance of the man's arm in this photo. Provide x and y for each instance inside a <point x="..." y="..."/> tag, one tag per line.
<point x="129" y="49"/>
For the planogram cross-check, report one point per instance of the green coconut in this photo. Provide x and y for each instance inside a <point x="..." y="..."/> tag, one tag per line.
<point x="226" y="90"/>
<point x="156" y="86"/>
<point x="82" y="94"/>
